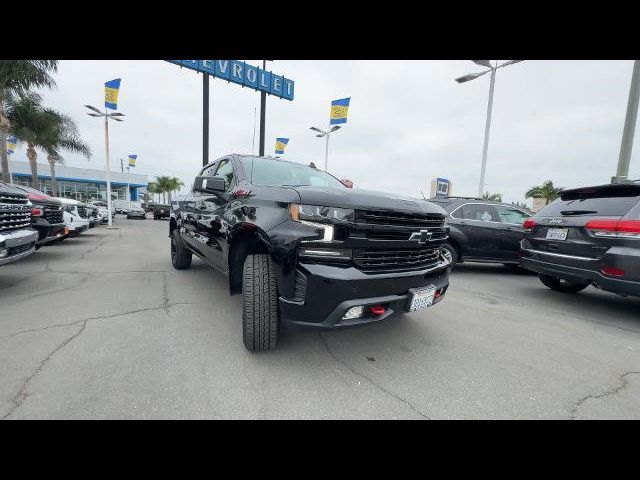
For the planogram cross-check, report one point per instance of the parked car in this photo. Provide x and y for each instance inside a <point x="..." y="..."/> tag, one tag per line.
<point x="482" y="231"/>
<point x="303" y="248"/>
<point x="137" y="212"/>
<point x="46" y="215"/>
<point x="17" y="238"/>
<point x="589" y="236"/>
<point x="92" y="215"/>
<point x="74" y="217"/>
<point x="161" y="211"/>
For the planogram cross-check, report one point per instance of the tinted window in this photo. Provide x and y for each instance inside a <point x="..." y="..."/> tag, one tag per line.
<point x="510" y="215"/>
<point x="602" y="201"/>
<point x="225" y="170"/>
<point x="481" y="212"/>
<point x="265" y="172"/>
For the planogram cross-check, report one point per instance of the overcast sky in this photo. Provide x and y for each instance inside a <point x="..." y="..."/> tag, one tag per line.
<point x="409" y="121"/>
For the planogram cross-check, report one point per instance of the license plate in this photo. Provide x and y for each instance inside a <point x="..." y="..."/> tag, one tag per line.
<point x="557" y="233"/>
<point x="422" y="298"/>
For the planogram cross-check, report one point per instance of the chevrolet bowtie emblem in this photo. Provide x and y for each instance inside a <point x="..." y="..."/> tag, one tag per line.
<point x="423" y="236"/>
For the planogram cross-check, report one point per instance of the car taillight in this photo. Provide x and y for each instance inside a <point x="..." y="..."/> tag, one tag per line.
<point x="616" y="272"/>
<point x="529" y="223"/>
<point x="615" y="228"/>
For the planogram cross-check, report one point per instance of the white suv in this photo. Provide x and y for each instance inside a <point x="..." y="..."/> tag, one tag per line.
<point x="73" y="216"/>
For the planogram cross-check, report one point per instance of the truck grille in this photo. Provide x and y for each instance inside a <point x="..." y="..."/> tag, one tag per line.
<point x="82" y="211"/>
<point x="373" y="259"/>
<point x="13" y="212"/>
<point x="416" y="220"/>
<point x="54" y="216"/>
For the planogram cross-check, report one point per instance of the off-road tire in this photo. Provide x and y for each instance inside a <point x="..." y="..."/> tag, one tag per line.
<point x="180" y="256"/>
<point x="564" y="286"/>
<point x="260" y="320"/>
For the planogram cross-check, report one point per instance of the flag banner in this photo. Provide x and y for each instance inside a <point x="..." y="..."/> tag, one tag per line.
<point x="339" y="111"/>
<point x="111" y="90"/>
<point x="132" y="160"/>
<point x="11" y="145"/>
<point x="281" y="144"/>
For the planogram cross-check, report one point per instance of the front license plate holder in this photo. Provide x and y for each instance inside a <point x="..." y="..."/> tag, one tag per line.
<point x="420" y="298"/>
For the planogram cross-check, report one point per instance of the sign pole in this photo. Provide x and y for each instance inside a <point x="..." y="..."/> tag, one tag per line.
<point x="107" y="172"/>
<point x="263" y="109"/>
<point x="205" y="119"/>
<point x="626" y="144"/>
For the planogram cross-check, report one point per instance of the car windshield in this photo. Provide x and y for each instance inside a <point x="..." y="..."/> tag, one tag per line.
<point x="267" y="172"/>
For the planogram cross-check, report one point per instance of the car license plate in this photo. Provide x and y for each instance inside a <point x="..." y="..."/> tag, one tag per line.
<point x="557" y="233"/>
<point x="422" y="298"/>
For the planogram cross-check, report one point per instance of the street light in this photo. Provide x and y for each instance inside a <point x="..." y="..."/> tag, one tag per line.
<point x="325" y="134"/>
<point x="107" y="116"/>
<point x="473" y="76"/>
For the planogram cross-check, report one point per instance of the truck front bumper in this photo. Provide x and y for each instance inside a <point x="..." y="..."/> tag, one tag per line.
<point x="16" y="245"/>
<point x="328" y="292"/>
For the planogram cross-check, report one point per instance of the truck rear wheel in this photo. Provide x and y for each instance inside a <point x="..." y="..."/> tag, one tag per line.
<point x="180" y="256"/>
<point x="560" y="285"/>
<point x="259" y="304"/>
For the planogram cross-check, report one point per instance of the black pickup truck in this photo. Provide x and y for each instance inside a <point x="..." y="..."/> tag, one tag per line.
<point x="17" y="238"/>
<point x="303" y="248"/>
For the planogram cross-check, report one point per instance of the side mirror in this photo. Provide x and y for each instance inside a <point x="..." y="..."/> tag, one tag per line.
<point x="209" y="184"/>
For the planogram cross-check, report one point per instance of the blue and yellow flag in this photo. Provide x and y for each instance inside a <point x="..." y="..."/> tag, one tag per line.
<point x="132" y="160"/>
<point x="281" y="144"/>
<point x="339" y="111"/>
<point x="11" y="145"/>
<point x="111" y="90"/>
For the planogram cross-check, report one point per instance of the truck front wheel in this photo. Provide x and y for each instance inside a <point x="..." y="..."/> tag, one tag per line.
<point x="180" y="256"/>
<point x="259" y="304"/>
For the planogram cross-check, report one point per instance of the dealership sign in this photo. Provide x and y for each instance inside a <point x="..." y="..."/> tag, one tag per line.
<point x="243" y="74"/>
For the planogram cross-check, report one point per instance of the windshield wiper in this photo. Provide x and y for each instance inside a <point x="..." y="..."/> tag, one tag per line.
<point x="576" y="212"/>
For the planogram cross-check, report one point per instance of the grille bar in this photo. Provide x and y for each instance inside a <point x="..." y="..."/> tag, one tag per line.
<point x="374" y="217"/>
<point x="370" y="259"/>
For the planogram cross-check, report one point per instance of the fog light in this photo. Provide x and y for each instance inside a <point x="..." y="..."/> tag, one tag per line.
<point x="353" y="312"/>
<point x="4" y="253"/>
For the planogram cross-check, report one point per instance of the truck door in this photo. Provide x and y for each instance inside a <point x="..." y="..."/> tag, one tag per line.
<point x="210" y="222"/>
<point x="189" y="215"/>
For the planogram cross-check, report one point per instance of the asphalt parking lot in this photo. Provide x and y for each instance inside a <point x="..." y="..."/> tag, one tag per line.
<point x="101" y="326"/>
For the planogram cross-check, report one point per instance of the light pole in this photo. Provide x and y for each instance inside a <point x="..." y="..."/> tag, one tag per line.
<point x="487" y="128"/>
<point x="107" y="116"/>
<point x="622" y="174"/>
<point x="326" y="134"/>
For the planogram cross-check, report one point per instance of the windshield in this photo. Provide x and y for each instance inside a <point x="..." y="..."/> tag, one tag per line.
<point x="265" y="172"/>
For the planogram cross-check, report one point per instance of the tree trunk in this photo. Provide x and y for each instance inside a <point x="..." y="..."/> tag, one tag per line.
<point x="54" y="183"/>
<point x="4" y="156"/>
<point x="32" y="155"/>
<point x="169" y="196"/>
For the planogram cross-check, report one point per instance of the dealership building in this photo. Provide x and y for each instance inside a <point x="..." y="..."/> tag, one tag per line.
<point x="81" y="183"/>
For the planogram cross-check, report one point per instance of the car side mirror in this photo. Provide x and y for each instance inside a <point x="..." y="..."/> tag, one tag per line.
<point x="209" y="184"/>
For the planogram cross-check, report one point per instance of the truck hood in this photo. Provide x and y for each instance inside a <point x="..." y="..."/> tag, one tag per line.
<point x="364" y="200"/>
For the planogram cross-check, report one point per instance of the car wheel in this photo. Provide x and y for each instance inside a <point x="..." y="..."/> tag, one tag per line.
<point x="450" y="253"/>
<point x="180" y="256"/>
<point x="562" y="285"/>
<point x="259" y="304"/>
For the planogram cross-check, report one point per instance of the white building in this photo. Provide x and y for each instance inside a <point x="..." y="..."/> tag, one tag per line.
<point x="81" y="183"/>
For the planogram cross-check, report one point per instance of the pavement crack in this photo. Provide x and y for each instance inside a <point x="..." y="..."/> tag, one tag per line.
<point x="624" y="383"/>
<point x="368" y="379"/>
<point x="21" y="396"/>
<point x="77" y="322"/>
<point x="165" y="293"/>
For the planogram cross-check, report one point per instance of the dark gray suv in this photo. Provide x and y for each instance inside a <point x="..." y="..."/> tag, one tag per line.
<point x="589" y="236"/>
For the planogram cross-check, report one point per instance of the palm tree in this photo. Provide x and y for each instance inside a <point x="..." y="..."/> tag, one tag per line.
<point x="152" y="189"/>
<point x="174" y="184"/>
<point x="61" y="134"/>
<point x="17" y="77"/>
<point x="30" y="122"/>
<point x="163" y="186"/>
<point x="493" y="197"/>
<point x="547" y="191"/>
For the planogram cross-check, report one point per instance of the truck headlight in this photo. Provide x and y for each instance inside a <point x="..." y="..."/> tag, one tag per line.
<point x="321" y="217"/>
<point x="318" y="213"/>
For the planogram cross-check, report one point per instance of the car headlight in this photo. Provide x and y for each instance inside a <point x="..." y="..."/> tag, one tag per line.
<point x="321" y="217"/>
<point x="318" y="213"/>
